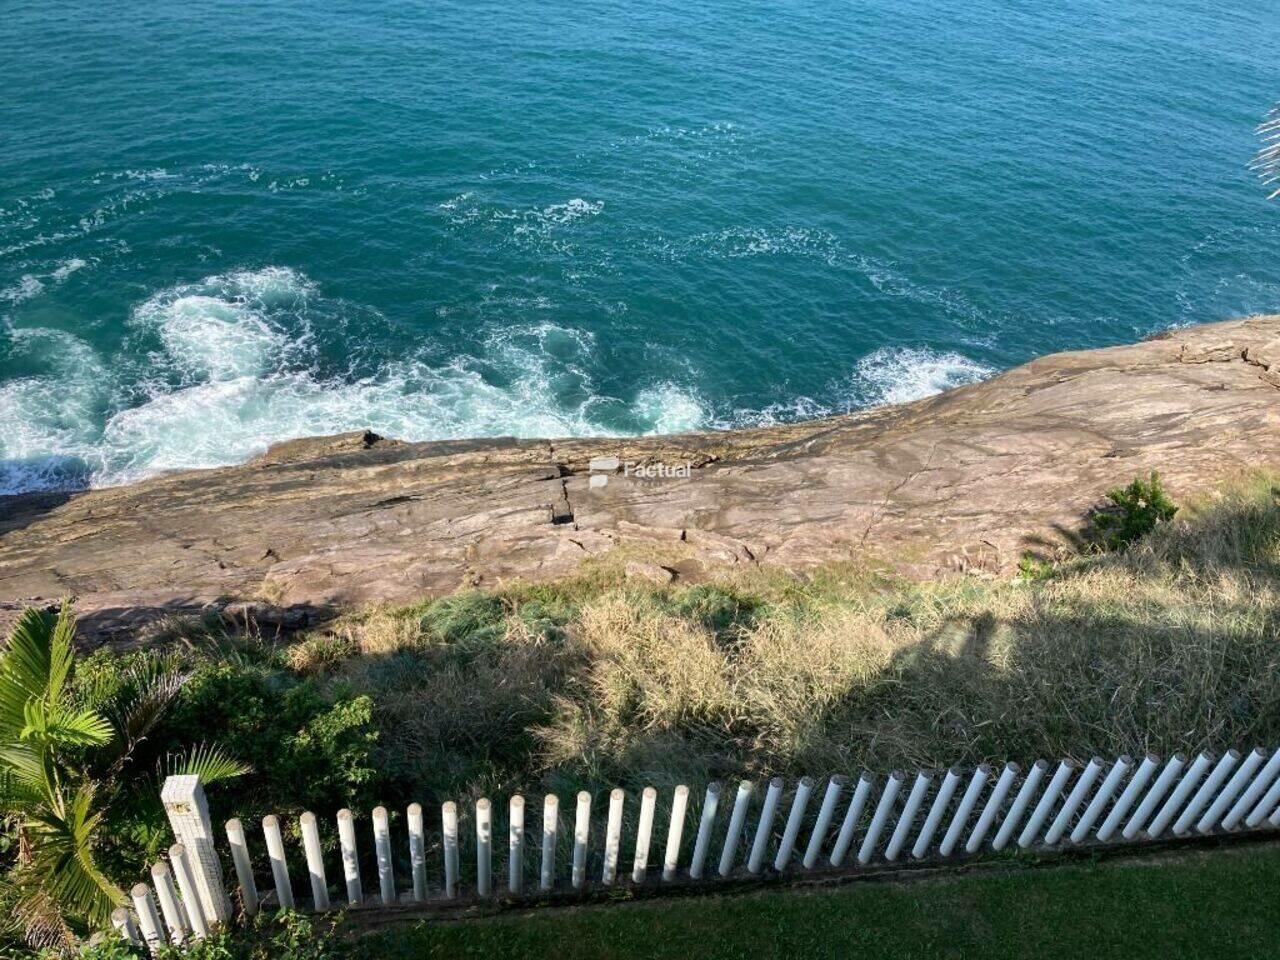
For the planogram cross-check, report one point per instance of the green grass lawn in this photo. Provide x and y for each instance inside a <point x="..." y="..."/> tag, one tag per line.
<point x="1219" y="903"/>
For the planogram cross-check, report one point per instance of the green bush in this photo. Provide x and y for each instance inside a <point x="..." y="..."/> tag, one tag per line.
<point x="285" y="935"/>
<point x="309" y="744"/>
<point x="309" y="748"/>
<point x="1136" y="511"/>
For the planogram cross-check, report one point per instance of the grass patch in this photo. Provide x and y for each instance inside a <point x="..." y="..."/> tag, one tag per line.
<point x="595" y="682"/>
<point x="1173" y="644"/>
<point x="1122" y="910"/>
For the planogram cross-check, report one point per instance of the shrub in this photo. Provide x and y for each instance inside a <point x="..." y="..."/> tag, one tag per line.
<point x="283" y="935"/>
<point x="1137" y="509"/>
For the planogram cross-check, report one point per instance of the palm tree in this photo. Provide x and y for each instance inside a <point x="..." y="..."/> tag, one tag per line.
<point x="1267" y="161"/>
<point x="61" y="767"/>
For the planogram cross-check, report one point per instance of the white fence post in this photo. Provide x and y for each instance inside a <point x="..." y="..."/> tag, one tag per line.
<point x="1157" y="792"/>
<point x="581" y="839"/>
<point x="122" y="920"/>
<point x="1237" y="783"/>
<point x="1043" y="808"/>
<point x="350" y="856"/>
<point x="315" y="861"/>
<point x="1002" y="788"/>
<point x="613" y="836"/>
<point x="181" y="865"/>
<point x="936" y="812"/>
<point x="737" y="820"/>
<point x="1247" y="799"/>
<point x="851" y="817"/>
<point x="1020" y="804"/>
<point x="799" y="803"/>
<point x="148" y="916"/>
<point x="644" y="834"/>
<point x="1074" y="799"/>
<point x="907" y="820"/>
<point x="174" y="917"/>
<point x="417" y="850"/>
<point x="449" y="822"/>
<point x="243" y="865"/>
<point x="706" y="825"/>
<point x="279" y="863"/>
<point x="550" y="830"/>
<point x="880" y="817"/>
<point x="1199" y="767"/>
<point x="188" y="810"/>
<point x="675" y="831"/>
<point x="977" y="783"/>
<point x="765" y="827"/>
<point x="1126" y="800"/>
<point x="1206" y="792"/>
<point x="515" y="845"/>
<point x="1109" y="786"/>
<point x="826" y="813"/>
<point x="1264" y="806"/>
<point x="484" y="847"/>
<point x="382" y="852"/>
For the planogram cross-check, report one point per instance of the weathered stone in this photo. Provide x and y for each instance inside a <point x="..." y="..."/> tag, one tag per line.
<point x="968" y="480"/>
<point x="652" y="572"/>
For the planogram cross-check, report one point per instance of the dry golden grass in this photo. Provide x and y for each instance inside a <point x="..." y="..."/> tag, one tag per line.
<point x="1174" y="645"/>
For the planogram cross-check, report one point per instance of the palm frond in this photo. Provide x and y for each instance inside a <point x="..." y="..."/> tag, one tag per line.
<point x="150" y="688"/>
<point x="40" y="915"/>
<point x="56" y="725"/>
<point x="1267" y="161"/>
<point x="27" y="765"/>
<point x="209" y="762"/>
<point x="17" y="794"/>
<point x="24" y="670"/>
<point x="62" y="851"/>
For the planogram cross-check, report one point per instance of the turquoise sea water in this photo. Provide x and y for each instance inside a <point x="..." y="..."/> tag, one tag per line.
<point x="224" y="224"/>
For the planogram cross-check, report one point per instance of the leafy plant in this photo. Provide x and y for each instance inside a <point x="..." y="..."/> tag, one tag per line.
<point x="62" y="773"/>
<point x="1137" y="509"/>
<point x="1033" y="569"/>
<point x="279" y="935"/>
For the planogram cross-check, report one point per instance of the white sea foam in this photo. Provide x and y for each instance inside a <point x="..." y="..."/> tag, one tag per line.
<point x="226" y="327"/>
<point x="902" y="374"/>
<point x="67" y="267"/>
<point x="233" y="367"/>
<point x="669" y="408"/>
<point x="49" y="423"/>
<point x="25" y="289"/>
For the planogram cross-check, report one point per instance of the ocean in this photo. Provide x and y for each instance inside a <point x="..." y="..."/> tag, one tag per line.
<point x="227" y="224"/>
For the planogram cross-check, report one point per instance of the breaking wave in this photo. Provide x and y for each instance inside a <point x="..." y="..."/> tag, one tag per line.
<point x="224" y="367"/>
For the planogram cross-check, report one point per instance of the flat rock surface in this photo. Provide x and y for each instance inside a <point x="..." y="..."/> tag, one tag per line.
<point x="968" y="480"/>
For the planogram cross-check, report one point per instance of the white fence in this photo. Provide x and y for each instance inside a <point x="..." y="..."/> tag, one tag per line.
<point x="929" y="818"/>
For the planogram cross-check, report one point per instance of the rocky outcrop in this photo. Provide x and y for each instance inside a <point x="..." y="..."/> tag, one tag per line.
<point x="968" y="480"/>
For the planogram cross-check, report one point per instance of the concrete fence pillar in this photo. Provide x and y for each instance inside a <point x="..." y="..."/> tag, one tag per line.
<point x="188" y="810"/>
